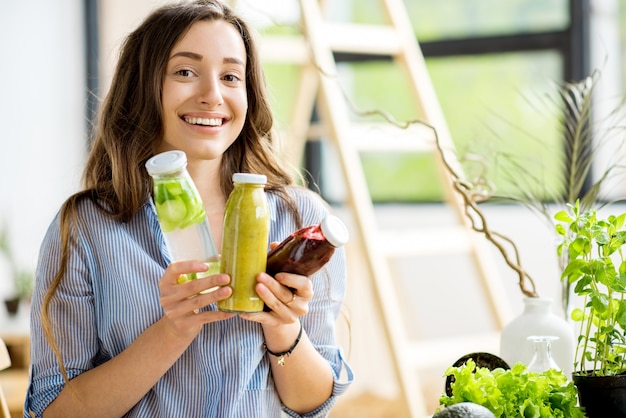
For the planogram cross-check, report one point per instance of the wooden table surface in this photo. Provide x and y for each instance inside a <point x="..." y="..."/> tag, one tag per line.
<point x="14" y="384"/>
<point x="14" y="331"/>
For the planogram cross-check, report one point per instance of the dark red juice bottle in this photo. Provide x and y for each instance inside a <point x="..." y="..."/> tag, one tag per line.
<point x="308" y="249"/>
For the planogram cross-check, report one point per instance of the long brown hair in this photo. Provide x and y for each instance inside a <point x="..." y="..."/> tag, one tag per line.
<point x="130" y="129"/>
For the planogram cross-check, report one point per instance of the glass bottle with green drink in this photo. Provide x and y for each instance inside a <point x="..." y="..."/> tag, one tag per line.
<point x="245" y="241"/>
<point x="181" y="213"/>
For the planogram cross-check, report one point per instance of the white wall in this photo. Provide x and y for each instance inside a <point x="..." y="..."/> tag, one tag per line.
<point x="117" y="19"/>
<point x="606" y="56"/>
<point x="42" y="96"/>
<point x="43" y="140"/>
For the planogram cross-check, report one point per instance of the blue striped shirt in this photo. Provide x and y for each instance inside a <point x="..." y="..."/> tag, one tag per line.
<point x="110" y="296"/>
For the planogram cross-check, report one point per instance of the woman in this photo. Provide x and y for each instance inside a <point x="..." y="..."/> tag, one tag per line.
<point x="116" y="335"/>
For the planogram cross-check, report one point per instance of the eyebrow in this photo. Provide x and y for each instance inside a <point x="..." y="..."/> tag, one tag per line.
<point x="197" y="57"/>
<point x="192" y="55"/>
<point x="233" y="60"/>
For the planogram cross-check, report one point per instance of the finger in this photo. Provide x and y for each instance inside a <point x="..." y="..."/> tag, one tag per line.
<point x="297" y="306"/>
<point x="199" y="301"/>
<point x="270" y="297"/>
<point x="194" y="303"/>
<point x="190" y="324"/>
<point x="301" y="285"/>
<point x="207" y="284"/>
<point x="293" y="298"/>
<point x="172" y="295"/>
<point x="177" y="269"/>
<point x="207" y="317"/>
<point x="282" y="292"/>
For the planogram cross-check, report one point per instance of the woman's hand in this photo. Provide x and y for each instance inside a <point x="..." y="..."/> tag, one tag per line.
<point x="183" y="302"/>
<point x="304" y="380"/>
<point x="286" y="295"/>
<point x="131" y="374"/>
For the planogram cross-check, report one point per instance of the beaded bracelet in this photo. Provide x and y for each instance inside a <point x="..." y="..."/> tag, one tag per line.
<point x="281" y="356"/>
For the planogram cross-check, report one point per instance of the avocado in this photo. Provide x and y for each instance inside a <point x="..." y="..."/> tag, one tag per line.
<point x="465" y="410"/>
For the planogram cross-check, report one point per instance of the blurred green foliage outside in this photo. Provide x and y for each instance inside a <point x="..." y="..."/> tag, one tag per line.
<point x="497" y="105"/>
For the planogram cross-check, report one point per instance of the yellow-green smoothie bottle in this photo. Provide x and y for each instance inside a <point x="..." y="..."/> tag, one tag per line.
<point x="245" y="242"/>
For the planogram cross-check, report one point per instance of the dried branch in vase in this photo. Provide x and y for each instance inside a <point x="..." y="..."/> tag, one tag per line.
<point x="472" y="193"/>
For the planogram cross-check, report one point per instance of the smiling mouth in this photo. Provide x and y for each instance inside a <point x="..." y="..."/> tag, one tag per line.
<point x="204" y="121"/>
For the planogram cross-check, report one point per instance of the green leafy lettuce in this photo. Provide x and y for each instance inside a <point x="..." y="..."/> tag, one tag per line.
<point x="515" y="392"/>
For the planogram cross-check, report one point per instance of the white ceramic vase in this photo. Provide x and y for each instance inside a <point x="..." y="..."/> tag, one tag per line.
<point x="538" y="319"/>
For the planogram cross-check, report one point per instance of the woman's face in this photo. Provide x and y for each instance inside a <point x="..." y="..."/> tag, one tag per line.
<point x="204" y="91"/>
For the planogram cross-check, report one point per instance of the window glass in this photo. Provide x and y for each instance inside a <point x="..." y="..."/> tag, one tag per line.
<point x="434" y="19"/>
<point x="622" y="38"/>
<point x="282" y="80"/>
<point x="497" y="106"/>
<point x="437" y="19"/>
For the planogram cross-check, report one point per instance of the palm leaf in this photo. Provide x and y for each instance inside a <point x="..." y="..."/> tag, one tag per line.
<point x="582" y="141"/>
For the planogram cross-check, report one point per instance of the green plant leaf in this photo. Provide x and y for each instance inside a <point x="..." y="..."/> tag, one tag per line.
<point x="580" y="245"/>
<point x="563" y="216"/>
<point x="573" y="270"/>
<point x="577" y="315"/>
<point x="514" y="392"/>
<point x="599" y="302"/>
<point x="583" y="286"/>
<point x="602" y="238"/>
<point x="599" y="271"/>
<point x="620" y="318"/>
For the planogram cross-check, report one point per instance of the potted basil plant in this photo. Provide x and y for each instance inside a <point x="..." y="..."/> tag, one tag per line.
<point x="597" y="272"/>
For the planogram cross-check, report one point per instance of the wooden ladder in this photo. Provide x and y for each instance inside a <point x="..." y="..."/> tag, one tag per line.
<point x="319" y="87"/>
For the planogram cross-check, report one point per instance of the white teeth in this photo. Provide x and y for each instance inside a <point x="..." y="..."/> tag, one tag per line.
<point x="204" y="121"/>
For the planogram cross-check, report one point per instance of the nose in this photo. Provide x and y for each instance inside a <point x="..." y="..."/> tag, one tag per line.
<point x="210" y="91"/>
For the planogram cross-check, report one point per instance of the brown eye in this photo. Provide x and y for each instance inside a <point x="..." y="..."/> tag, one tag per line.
<point x="184" y="73"/>
<point x="232" y="78"/>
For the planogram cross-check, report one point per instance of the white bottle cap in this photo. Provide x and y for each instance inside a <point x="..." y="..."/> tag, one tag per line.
<point x="249" y="178"/>
<point x="166" y="161"/>
<point x="334" y="230"/>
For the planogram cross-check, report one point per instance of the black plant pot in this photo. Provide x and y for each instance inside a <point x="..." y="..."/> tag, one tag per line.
<point x="602" y="396"/>
<point x="12" y="305"/>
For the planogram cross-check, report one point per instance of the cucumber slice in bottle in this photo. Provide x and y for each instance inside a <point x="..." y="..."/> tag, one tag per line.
<point x="160" y="192"/>
<point x="171" y="213"/>
<point x="184" y="278"/>
<point x="174" y="187"/>
<point x="194" y="216"/>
